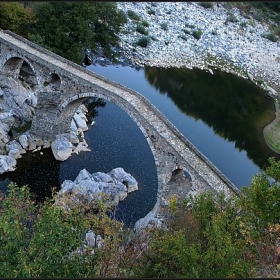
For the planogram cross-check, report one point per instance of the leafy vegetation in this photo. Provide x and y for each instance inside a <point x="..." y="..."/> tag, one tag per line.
<point x="206" y="236"/>
<point x="141" y="29"/>
<point x="164" y="26"/>
<point x="197" y="34"/>
<point x="143" y="41"/>
<point x="66" y="28"/>
<point x="17" y="17"/>
<point x="206" y="5"/>
<point x="270" y="36"/>
<point x="134" y="16"/>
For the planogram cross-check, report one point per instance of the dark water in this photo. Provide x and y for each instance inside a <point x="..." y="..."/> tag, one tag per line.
<point x="221" y="114"/>
<point x="115" y="141"/>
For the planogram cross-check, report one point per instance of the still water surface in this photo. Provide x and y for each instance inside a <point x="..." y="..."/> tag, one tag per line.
<point x="221" y="114"/>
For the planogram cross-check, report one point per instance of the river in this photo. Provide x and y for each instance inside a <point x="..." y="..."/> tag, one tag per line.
<point x="221" y="114"/>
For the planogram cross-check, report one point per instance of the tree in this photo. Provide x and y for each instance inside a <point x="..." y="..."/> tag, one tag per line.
<point x="70" y="28"/>
<point x="17" y="17"/>
<point x="204" y="241"/>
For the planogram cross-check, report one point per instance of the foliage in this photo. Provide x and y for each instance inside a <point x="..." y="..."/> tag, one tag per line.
<point x="143" y="41"/>
<point x="134" y="16"/>
<point x="145" y="23"/>
<point x="206" y="5"/>
<point x="197" y="34"/>
<point x="68" y="28"/>
<point x="270" y="36"/>
<point x="40" y="241"/>
<point x="141" y="29"/>
<point x="232" y="18"/>
<point x="17" y="17"/>
<point x="210" y="237"/>
<point x="164" y="26"/>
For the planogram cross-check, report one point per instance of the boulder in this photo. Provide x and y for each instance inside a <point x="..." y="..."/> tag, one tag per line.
<point x="61" y="147"/>
<point x="15" y="153"/>
<point x="14" y="145"/>
<point x="31" y="143"/>
<point x="23" y="140"/>
<point x="87" y="187"/>
<point x="127" y="179"/>
<point x="7" y="164"/>
<point x="80" y="121"/>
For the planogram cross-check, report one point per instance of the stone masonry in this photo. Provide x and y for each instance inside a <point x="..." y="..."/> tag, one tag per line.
<point x="61" y="86"/>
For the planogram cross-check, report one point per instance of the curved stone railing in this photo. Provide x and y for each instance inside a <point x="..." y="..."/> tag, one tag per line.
<point x="143" y="99"/>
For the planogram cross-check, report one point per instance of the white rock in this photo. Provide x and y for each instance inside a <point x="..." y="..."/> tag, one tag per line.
<point x="23" y="140"/>
<point x="61" y="147"/>
<point x="91" y="186"/>
<point x="7" y="164"/>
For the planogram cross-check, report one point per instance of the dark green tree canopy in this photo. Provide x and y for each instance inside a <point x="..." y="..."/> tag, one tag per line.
<point x="69" y="28"/>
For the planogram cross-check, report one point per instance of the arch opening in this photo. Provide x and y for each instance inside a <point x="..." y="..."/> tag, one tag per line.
<point x="18" y="68"/>
<point x="53" y="81"/>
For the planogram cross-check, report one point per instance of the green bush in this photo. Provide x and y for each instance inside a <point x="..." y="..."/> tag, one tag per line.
<point x="151" y="12"/>
<point x="38" y="241"/>
<point x="141" y="29"/>
<point x="145" y="23"/>
<point x="270" y="36"/>
<point x="132" y="15"/>
<point x="232" y="18"/>
<point x="164" y="26"/>
<point x="197" y="34"/>
<point x="206" y="5"/>
<point x="143" y="41"/>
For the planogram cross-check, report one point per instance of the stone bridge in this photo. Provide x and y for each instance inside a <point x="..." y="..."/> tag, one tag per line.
<point x="61" y="86"/>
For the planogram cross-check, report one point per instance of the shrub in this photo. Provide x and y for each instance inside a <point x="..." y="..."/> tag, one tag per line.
<point x="197" y="34"/>
<point x="232" y="18"/>
<point x="141" y="29"/>
<point x="186" y="31"/>
<point x="206" y="5"/>
<point x="151" y="12"/>
<point x="132" y="15"/>
<point x="270" y="36"/>
<point x="123" y="16"/>
<point x="243" y="24"/>
<point x="143" y="41"/>
<point x="145" y="23"/>
<point x="164" y="26"/>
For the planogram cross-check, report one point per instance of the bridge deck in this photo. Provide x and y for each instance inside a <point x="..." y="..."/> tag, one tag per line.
<point x="187" y="153"/>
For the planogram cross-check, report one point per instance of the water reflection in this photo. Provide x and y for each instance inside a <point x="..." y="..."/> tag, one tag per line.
<point x="234" y="108"/>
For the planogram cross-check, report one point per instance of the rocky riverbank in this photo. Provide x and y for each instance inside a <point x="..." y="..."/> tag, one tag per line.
<point x="228" y="40"/>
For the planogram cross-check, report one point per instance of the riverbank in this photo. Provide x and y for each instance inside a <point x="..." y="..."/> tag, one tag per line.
<point x="236" y="46"/>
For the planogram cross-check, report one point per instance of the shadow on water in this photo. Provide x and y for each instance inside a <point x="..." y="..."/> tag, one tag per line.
<point x="236" y="109"/>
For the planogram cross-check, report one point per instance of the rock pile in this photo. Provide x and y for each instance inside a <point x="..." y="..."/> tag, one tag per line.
<point x="17" y="106"/>
<point x="228" y="40"/>
<point x="87" y="189"/>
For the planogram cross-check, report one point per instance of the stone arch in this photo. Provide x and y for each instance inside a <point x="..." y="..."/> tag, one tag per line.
<point x="20" y="69"/>
<point x="67" y="109"/>
<point x="54" y="81"/>
<point x="180" y="171"/>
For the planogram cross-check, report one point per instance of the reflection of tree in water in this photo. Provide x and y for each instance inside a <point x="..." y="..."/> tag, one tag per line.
<point x="41" y="172"/>
<point x="91" y="104"/>
<point x="235" y="108"/>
